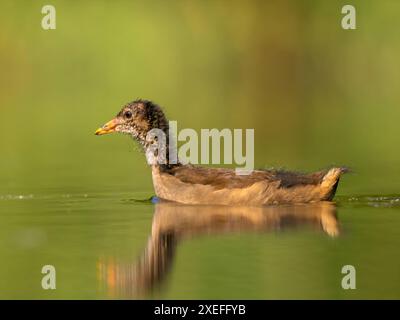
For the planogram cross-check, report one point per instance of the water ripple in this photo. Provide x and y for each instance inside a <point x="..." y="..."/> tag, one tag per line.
<point x="376" y="201"/>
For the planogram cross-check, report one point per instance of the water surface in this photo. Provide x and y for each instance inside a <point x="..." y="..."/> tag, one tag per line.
<point x="110" y="245"/>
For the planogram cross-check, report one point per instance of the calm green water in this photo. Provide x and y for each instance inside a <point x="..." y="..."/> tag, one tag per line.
<point x="106" y="245"/>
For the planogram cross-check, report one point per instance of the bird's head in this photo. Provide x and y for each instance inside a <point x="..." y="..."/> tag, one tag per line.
<point x="136" y="118"/>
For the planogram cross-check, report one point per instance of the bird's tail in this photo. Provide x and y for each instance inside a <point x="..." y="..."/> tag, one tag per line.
<point x="330" y="182"/>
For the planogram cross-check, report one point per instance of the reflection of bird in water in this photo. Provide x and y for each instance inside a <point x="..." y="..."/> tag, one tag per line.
<point x="174" y="222"/>
<point x="189" y="184"/>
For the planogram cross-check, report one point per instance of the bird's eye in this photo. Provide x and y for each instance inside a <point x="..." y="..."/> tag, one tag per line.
<point x="128" y="114"/>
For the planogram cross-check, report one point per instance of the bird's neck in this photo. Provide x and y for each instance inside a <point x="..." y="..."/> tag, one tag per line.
<point x="160" y="148"/>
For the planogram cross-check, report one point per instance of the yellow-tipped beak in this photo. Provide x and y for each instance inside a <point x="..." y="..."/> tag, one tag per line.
<point x="107" y="128"/>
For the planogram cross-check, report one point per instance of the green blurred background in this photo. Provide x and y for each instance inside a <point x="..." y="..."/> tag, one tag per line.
<point x="316" y="95"/>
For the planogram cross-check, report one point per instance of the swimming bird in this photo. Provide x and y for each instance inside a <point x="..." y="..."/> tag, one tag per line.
<point x="193" y="184"/>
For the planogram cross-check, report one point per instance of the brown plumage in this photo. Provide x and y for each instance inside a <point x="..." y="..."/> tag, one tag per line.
<point x="199" y="185"/>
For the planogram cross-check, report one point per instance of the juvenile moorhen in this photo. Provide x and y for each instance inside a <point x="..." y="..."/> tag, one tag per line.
<point x="191" y="184"/>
